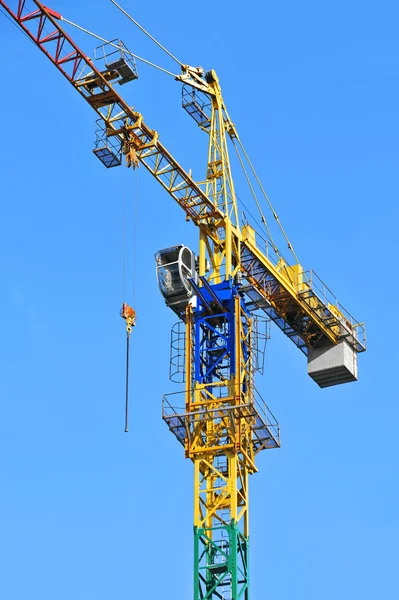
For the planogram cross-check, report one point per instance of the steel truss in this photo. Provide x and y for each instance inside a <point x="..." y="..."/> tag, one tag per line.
<point x="223" y="423"/>
<point x="210" y="204"/>
<point x="222" y="429"/>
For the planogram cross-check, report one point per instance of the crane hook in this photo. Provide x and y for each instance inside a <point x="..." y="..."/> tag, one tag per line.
<point x="131" y="155"/>
<point x="129" y="314"/>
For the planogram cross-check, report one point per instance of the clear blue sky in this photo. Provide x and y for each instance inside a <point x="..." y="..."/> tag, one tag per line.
<point x="90" y="513"/>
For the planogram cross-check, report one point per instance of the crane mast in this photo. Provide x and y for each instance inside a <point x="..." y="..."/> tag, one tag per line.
<point x="219" y="418"/>
<point x="222" y="428"/>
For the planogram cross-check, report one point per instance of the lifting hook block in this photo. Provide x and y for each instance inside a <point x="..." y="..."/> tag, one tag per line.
<point x="129" y="314"/>
<point x="131" y="155"/>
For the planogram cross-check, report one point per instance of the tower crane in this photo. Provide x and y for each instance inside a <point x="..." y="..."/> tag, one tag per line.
<point x="217" y="295"/>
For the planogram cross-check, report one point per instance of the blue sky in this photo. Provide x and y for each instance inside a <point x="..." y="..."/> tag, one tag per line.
<point x="89" y="512"/>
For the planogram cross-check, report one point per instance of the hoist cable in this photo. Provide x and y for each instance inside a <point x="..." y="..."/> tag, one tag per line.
<point x="147" y="33"/>
<point x="98" y="37"/>
<point x="127" y="383"/>
<point x="124" y="210"/>
<point x="135" y="223"/>
<point x="130" y="319"/>
<point x="124" y="259"/>
<point x="129" y="258"/>
<point x="268" y="201"/>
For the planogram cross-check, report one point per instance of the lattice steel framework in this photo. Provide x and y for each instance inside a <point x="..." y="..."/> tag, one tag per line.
<point x="223" y="423"/>
<point x="223" y="243"/>
<point x="222" y="429"/>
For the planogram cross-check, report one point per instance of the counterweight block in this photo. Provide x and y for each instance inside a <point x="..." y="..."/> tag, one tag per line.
<point x="332" y="365"/>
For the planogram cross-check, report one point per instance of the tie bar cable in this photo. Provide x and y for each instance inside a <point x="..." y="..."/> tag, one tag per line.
<point x="268" y="201"/>
<point x="98" y="37"/>
<point x="262" y="217"/>
<point x="147" y="33"/>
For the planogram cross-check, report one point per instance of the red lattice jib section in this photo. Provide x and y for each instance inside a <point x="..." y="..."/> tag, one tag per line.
<point x="40" y="24"/>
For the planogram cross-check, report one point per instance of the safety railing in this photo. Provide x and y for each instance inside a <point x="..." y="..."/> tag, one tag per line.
<point x="267" y="416"/>
<point x="197" y="104"/>
<point x="265" y="427"/>
<point x="354" y="329"/>
<point x="317" y="295"/>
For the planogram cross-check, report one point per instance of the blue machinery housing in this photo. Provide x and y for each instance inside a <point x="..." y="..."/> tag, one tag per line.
<point x="215" y="331"/>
